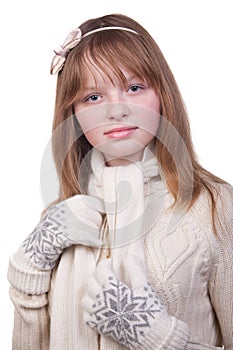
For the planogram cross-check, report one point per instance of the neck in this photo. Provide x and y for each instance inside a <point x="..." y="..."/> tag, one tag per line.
<point x="110" y="162"/>
<point x="128" y="159"/>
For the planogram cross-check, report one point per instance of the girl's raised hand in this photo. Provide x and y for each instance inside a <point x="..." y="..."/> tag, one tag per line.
<point x="76" y="220"/>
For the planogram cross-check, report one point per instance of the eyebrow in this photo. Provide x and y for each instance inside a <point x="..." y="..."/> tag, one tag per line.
<point x="96" y="87"/>
<point x="132" y="77"/>
<point x="99" y="87"/>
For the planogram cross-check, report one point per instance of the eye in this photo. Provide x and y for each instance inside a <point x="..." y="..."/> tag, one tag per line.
<point x="92" y="98"/>
<point x="135" y="88"/>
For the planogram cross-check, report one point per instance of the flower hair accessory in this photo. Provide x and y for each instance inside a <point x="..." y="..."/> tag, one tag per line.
<point x="62" y="51"/>
<point x="71" y="41"/>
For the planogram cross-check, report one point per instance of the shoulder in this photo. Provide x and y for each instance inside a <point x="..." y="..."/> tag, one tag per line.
<point x="201" y="210"/>
<point x="223" y="199"/>
<point x="224" y="211"/>
<point x="223" y="218"/>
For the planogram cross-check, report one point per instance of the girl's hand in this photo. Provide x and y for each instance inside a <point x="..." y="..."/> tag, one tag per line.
<point x="125" y="313"/>
<point x="76" y="220"/>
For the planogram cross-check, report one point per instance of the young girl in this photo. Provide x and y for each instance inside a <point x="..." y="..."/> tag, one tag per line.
<point x="137" y="250"/>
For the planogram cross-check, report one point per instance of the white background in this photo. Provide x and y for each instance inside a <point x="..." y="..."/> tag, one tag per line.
<point x="196" y="39"/>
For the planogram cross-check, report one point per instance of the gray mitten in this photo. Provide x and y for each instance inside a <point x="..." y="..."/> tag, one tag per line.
<point x="76" y="220"/>
<point x="132" y="316"/>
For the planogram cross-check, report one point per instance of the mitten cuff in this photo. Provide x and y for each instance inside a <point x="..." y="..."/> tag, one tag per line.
<point x="167" y="332"/>
<point x="25" y="277"/>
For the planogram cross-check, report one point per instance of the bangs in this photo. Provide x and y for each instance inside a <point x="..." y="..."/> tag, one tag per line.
<point x="110" y="52"/>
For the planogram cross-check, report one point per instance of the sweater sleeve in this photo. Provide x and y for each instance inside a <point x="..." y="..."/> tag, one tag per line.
<point x="31" y="321"/>
<point x="221" y="286"/>
<point x="28" y="293"/>
<point x="23" y="275"/>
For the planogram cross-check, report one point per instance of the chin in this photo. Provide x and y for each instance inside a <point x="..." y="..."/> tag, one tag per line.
<point x="121" y="151"/>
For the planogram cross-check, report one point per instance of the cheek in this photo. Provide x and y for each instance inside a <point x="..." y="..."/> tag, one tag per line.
<point x="94" y="136"/>
<point x="156" y="105"/>
<point x="90" y="123"/>
<point x="91" y="131"/>
<point x="148" y="132"/>
<point x="87" y="124"/>
<point x="148" y="121"/>
<point x="151" y="125"/>
<point x="151" y="101"/>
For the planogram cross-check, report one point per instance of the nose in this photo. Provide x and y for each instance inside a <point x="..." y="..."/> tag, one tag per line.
<point x="117" y="111"/>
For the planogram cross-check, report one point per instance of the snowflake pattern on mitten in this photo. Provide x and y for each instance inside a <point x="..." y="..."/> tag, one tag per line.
<point x="47" y="241"/>
<point x="125" y="314"/>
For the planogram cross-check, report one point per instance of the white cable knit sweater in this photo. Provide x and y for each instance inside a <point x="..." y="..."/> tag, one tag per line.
<point x="189" y="268"/>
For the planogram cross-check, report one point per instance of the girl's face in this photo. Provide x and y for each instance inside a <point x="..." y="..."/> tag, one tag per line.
<point x="118" y="120"/>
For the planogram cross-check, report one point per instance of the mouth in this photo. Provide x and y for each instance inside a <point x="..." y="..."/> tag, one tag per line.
<point x="118" y="133"/>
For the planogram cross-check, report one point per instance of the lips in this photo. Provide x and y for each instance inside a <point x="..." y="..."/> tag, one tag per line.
<point x="120" y="132"/>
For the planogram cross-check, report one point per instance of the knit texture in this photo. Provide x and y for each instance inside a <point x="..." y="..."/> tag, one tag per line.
<point x="122" y="190"/>
<point x="72" y="221"/>
<point x="189" y="268"/>
<point x="25" y="277"/>
<point x="131" y="314"/>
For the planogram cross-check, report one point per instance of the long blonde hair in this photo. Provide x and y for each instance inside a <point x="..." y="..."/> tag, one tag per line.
<point x="140" y="55"/>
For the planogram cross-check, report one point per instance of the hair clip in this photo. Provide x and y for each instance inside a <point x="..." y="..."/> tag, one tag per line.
<point x="71" y="41"/>
<point x="62" y="51"/>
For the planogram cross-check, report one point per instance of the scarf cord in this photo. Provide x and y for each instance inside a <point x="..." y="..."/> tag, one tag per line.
<point x="126" y="192"/>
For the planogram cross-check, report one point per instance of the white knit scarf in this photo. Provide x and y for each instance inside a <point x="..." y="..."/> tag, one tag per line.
<point x="126" y="192"/>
